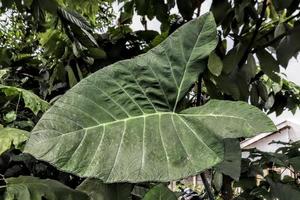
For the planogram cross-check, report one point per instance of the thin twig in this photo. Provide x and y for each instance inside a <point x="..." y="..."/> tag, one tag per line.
<point x="268" y="43"/>
<point x="258" y="25"/>
<point x="17" y="107"/>
<point x="2" y="178"/>
<point x="277" y="38"/>
<point x="199" y="90"/>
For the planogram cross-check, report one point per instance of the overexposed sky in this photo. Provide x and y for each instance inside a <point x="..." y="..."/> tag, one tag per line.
<point x="292" y="72"/>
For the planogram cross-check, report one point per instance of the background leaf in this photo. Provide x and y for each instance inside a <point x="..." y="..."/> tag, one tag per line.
<point x="160" y="192"/>
<point x="32" y="101"/>
<point x="12" y="136"/>
<point x="32" y="188"/>
<point x="283" y="191"/>
<point x="231" y="165"/>
<point x="97" y="190"/>
<point x="215" y="64"/>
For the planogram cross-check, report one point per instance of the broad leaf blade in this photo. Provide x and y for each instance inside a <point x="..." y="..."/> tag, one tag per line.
<point x="32" y="188"/>
<point x="117" y="125"/>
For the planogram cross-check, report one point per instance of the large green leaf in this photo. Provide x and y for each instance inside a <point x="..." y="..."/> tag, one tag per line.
<point x="32" y="188"/>
<point x="160" y="192"/>
<point x="11" y="136"/>
<point x="97" y="190"/>
<point x="120" y="124"/>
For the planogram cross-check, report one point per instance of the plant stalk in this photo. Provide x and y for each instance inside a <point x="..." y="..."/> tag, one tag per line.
<point x="255" y="33"/>
<point x="207" y="186"/>
<point x="202" y="175"/>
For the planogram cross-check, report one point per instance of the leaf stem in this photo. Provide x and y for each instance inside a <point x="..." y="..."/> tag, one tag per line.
<point x="257" y="27"/>
<point x="202" y="174"/>
<point x="199" y="88"/>
<point x="207" y="186"/>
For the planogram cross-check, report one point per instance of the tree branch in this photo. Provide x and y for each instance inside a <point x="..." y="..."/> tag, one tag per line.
<point x="258" y="25"/>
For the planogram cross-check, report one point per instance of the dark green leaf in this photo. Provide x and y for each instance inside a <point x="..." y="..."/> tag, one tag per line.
<point x="160" y="192"/>
<point x="97" y="190"/>
<point x="262" y="91"/>
<point x="254" y="96"/>
<point x="282" y="4"/>
<point x="71" y="76"/>
<point x="97" y="53"/>
<point x="284" y="191"/>
<point x="268" y="64"/>
<point x="217" y="181"/>
<point x="215" y="64"/>
<point x="32" y="188"/>
<point x="228" y="86"/>
<point x="5" y="57"/>
<point x="74" y="18"/>
<point x="248" y="70"/>
<point x="220" y="9"/>
<point x="288" y="46"/>
<point x="232" y="58"/>
<point x="279" y="30"/>
<point x="49" y="5"/>
<point x="295" y="162"/>
<point x="142" y="6"/>
<point x="231" y="164"/>
<point x="186" y="8"/>
<point x="270" y="102"/>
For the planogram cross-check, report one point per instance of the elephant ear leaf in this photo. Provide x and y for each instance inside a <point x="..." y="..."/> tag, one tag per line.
<point x="120" y="124"/>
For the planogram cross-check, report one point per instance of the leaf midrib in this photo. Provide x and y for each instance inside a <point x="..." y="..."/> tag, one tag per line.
<point x="159" y="114"/>
<point x="186" y="67"/>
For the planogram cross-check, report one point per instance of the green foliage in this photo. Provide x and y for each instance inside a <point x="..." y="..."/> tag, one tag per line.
<point x="12" y="137"/>
<point x="215" y="64"/>
<point x="32" y="101"/>
<point x="284" y="191"/>
<point x="143" y="115"/>
<point x="48" y="46"/>
<point x="265" y="166"/>
<point x="231" y="165"/>
<point x="31" y="188"/>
